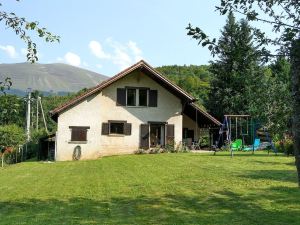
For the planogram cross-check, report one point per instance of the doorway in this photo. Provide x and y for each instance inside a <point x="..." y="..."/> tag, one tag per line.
<point x="157" y="134"/>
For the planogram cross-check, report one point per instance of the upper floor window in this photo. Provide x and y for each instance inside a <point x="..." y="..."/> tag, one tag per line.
<point x="131" y="96"/>
<point x="143" y="97"/>
<point x="137" y="97"/>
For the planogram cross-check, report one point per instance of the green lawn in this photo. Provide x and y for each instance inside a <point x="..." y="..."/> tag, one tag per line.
<point x="182" y="188"/>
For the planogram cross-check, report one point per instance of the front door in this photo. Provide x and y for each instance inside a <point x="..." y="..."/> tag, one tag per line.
<point x="157" y="135"/>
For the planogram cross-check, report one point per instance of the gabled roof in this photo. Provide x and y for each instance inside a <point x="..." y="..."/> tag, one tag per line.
<point x="141" y="65"/>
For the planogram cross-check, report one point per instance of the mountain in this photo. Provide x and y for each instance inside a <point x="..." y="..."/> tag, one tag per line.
<point x="48" y="78"/>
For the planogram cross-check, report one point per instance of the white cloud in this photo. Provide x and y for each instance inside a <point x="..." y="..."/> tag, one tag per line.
<point x="121" y="54"/>
<point x="9" y="50"/>
<point x="121" y="58"/>
<point x="136" y="51"/>
<point x="72" y="59"/>
<point x="97" y="50"/>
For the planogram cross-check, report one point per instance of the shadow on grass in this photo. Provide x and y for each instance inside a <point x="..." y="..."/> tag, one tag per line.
<point x="225" y="207"/>
<point x="274" y="175"/>
<point x="242" y="154"/>
<point x="274" y="163"/>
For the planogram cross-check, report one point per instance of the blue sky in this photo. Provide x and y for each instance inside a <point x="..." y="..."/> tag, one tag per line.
<point x="108" y="36"/>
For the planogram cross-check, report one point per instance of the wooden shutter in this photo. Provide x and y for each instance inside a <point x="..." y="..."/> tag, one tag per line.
<point x="144" y="136"/>
<point x="82" y="134"/>
<point x="152" y="98"/>
<point x="170" y="134"/>
<point x="121" y="96"/>
<point x="74" y="134"/>
<point x="105" y="128"/>
<point x="127" y="128"/>
<point x="79" y="133"/>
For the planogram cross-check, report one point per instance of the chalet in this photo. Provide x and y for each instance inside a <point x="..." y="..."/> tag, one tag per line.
<point x="137" y="108"/>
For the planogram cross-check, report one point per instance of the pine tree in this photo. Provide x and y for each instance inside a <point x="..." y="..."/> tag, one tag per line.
<point x="236" y="70"/>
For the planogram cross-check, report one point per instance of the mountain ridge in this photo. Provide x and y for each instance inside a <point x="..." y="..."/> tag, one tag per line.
<point x="51" y="78"/>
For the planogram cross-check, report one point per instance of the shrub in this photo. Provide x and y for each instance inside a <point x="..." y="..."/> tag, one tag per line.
<point x="169" y="148"/>
<point x="11" y="136"/>
<point x="154" y="150"/>
<point x="140" y="151"/>
<point x="285" y="146"/>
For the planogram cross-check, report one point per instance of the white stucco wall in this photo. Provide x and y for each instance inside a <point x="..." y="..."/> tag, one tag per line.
<point x="102" y="107"/>
<point x="191" y="125"/>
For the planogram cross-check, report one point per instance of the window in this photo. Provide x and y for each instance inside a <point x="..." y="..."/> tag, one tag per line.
<point x="116" y="127"/>
<point x="143" y="97"/>
<point x="131" y="97"/>
<point x="79" y="133"/>
<point x="136" y="96"/>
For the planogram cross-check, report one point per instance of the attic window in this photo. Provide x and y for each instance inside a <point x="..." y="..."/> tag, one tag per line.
<point x="143" y="97"/>
<point x="131" y="97"/>
<point x="136" y="96"/>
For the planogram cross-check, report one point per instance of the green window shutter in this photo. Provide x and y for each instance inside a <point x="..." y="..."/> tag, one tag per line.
<point x="144" y="144"/>
<point x="105" y="128"/>
<point x="127" y="128"/>
<point x="121" y="96"/>
<point x="152" y="98"/>
<point x="170" y="134"/>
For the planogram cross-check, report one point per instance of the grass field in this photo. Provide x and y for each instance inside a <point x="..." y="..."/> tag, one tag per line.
<point x="182" y="188"/>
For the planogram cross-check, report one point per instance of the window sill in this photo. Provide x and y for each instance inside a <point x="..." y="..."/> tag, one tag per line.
<point x="129" y="106"/>
<point x="77" y="142"/>
<point x="116" y="135"/>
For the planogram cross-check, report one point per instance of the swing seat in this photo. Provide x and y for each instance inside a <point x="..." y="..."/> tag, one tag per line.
<point x="236" y="145"/>
<point x="255" y="146"/>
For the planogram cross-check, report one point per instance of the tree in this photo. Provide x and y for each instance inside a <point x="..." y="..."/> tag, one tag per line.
<point x="234" y="71"/>
<point x="283" y="16"/>
<point x="194" y="79"/>
<point x="273" y="106"/>
<point x="20" y="26"/>
<point x="10" y="136"/>
<point x="12" y="110"/>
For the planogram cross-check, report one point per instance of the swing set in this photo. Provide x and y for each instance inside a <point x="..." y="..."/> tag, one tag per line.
<point x="239" y="133"/>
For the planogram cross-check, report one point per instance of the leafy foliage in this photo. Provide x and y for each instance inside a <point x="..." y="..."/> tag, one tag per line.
<point x="271" y="101"/>
<point x="12" y="110"/>
<point x="20" y="26"/>
<point x="193" y="79"/>
<point x="282" y="15"/>
<point x="284" y="18"/>
<point x="5" y="85"/>
<point x="11" y="135"/>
